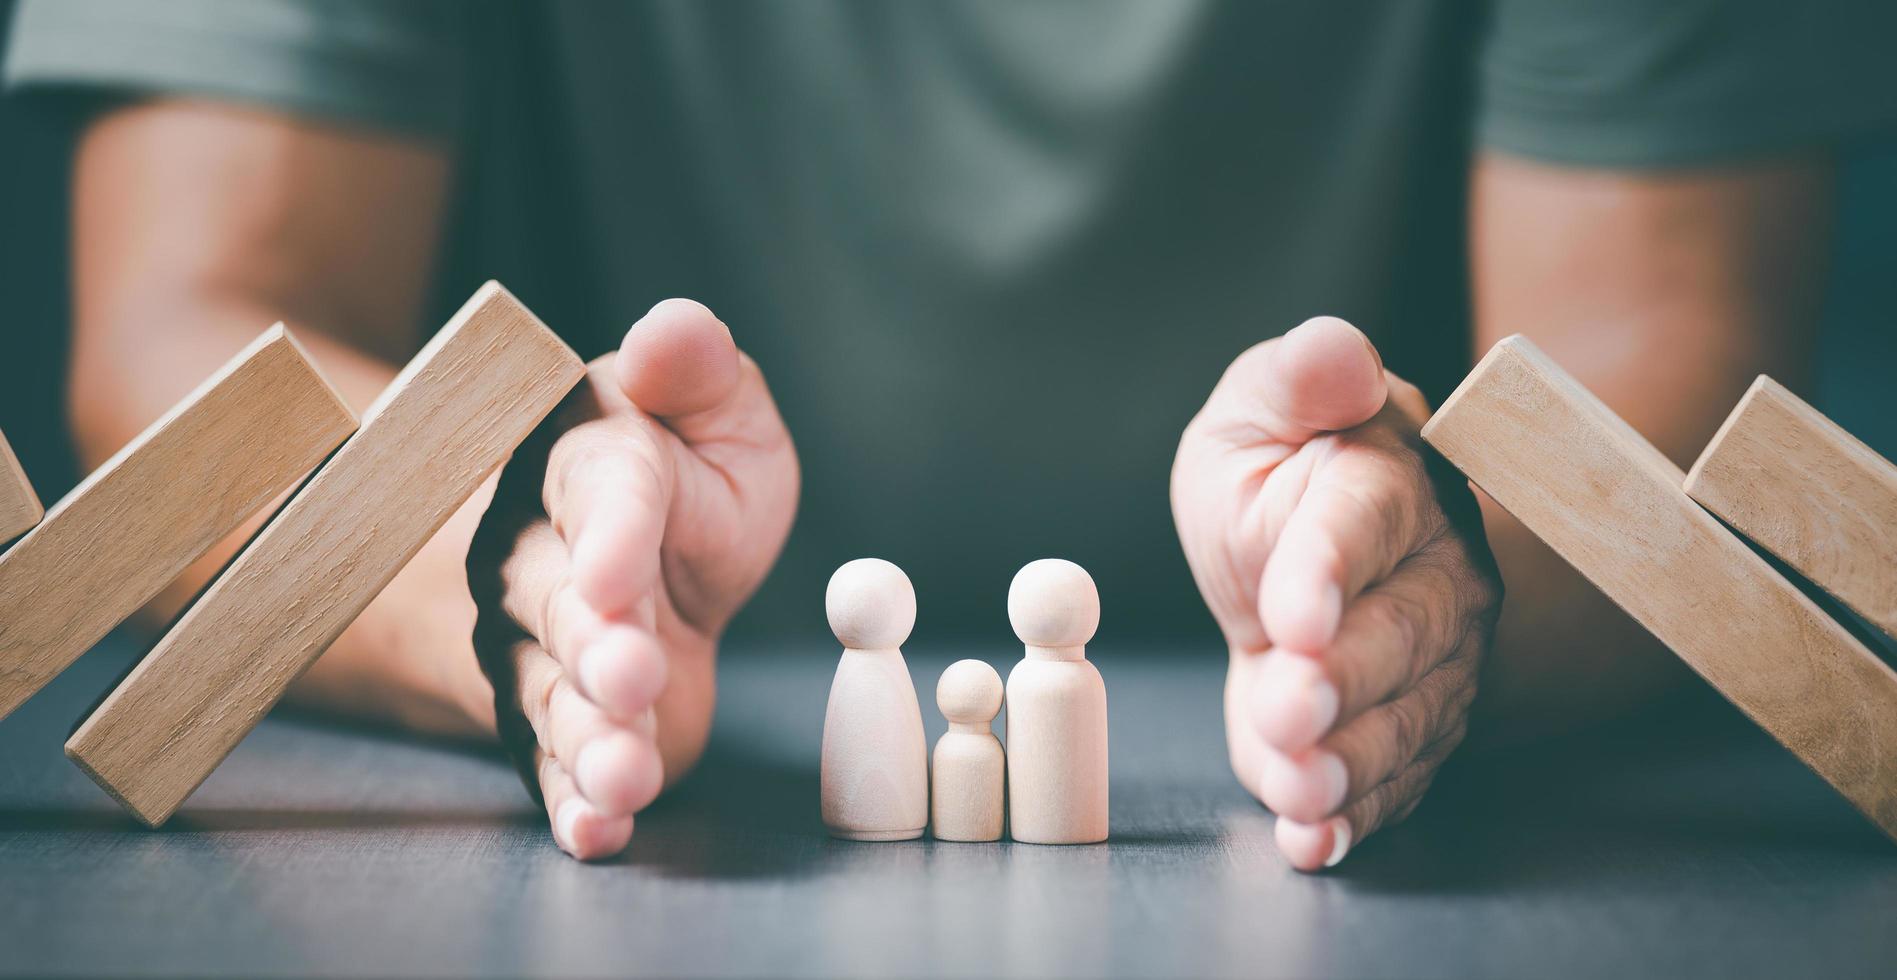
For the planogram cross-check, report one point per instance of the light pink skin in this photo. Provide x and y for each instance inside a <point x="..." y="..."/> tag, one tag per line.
<point x="668" y="496"/>
<point x="1301" y="499"/>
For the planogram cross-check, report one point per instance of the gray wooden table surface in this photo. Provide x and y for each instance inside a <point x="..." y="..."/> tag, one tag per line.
<point x="1647" y="849"/>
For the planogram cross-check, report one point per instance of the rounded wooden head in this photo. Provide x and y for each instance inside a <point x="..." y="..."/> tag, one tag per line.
<point x="871" y="605"/>
<point x="1053" y="603"/>
<point x="969" y="693"/>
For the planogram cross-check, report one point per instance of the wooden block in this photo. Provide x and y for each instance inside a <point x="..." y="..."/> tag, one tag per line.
<point x="450" y="419"/>
<point x="251" y="431"/>
<point x="19" y="506"/>
<point x="1803" y="489"/>
<point x="1610" y="504"/>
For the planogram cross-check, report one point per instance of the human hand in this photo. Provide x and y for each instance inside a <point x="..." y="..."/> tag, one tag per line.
<point x="622" y="538"/>
<point x="1347" y="567"/>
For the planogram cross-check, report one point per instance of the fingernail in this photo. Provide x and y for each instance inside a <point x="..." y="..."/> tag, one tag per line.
<point x="1323" y="703"/>
<point x="1340" y="841"/>
<point x="1332" y="776"/>
<point x="566" y="825"/>
<point x="1330" y="608"/>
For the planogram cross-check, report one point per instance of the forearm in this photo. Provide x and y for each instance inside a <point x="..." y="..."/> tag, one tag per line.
<point x="196" y="226"/>
<point x="1666" y="295"/>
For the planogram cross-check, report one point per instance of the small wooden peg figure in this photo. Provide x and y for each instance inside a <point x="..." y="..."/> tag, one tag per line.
<point x="1057" y="709"/>
<point x="969" y="762"/>
<point x="875" y="770"/>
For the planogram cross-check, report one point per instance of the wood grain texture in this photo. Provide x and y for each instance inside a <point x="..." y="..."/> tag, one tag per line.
<point x="451" y="418"/>
<point x="249" y="432"/>
<point x="19" y="505"/>
<point x="1803" y="489"/>
<point x="1614" y="507"/>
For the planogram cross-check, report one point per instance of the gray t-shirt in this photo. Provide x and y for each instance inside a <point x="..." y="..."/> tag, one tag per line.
<point x="992" y="256"/>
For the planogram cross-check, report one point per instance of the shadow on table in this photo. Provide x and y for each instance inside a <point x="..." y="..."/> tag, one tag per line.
<point x="236" y="820"/>
<point x="1696" y="785"/>
<point x="739" y="815"/>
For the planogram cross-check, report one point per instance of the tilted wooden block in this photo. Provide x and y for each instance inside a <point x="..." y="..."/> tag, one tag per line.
<point x="1613" y="506"/>
<point x="1803" y="489"/>
<point x="451" y="418"/>
<point x="19" y="505"/>
<point x="251" y="431"/>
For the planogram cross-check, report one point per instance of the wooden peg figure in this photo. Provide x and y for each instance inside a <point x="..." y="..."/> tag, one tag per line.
<point x="1057" y="709"/>
<point x="875" y="769"/>
<point x="969" y="763"/>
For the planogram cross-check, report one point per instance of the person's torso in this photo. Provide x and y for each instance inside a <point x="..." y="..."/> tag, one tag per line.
<point x="991" y="257"/>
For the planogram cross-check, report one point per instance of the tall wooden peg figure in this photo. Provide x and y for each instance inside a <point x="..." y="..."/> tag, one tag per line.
<point x="875" y="769"/>
<point x="1057" y="709"/>
<point x="968" y="773"/>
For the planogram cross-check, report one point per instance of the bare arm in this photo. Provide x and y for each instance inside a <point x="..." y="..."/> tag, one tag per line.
<point x="195" y="227"/>
<point x="1666" y="295"/>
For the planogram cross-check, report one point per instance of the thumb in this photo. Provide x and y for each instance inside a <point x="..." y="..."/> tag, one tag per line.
<point x="680" y="365"/>
<point x="678" y="360"/>
<point x="1323" y="376"/>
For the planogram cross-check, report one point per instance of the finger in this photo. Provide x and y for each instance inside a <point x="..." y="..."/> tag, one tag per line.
<point x="608" y="489"/>
<point x="679" y="363"/>
<point x="579" y="828"/>
<point x="615" y="766"/>
<point x="1392" y="636"/>
<point x="1364" y="509"/>
<point x="1315" y="846"/>
<point x="1315" y="784"/>
<point x="619" y="667"/>
<point x="678" y="360"/>
<point x="1322" y="376"/>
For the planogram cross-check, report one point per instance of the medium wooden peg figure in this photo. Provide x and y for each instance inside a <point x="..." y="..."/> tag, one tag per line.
<point x="1057" y="709"/>
<point x="875" y="769"/>
<point x="969" y="763"/>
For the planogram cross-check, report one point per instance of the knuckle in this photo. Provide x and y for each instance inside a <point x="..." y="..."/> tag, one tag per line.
<point x="1327" y="560"/>
<point x="537" y="702"/>
<point x="1406" y="730"/>
<point x="570" y="457"/>
<point x="546" y="622"/>
<point x="1450" y="740"/>
<point x="1374" y="811"/>
<point x="1395" y="616"/>
<point x="1446" y="602"/>
<point x="1417" y="790"/>
<point x="1406" y="618"/>
<point x="1378" y="507"/>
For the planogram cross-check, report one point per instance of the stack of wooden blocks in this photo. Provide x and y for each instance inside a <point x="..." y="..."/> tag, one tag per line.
<point x="1651" y="538"/>
<point x="244" y="438"/>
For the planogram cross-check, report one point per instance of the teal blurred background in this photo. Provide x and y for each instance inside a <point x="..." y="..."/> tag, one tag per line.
<point x="1858" y="348"/>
